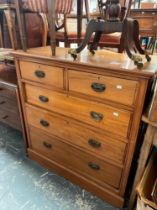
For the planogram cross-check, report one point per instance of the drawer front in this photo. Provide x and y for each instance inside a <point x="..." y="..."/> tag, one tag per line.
<point x="83" y="163"/>
<point x="98" y="115"/>
<point x="110" y="88"/>
<point x="8" y="104"/>
<point x="11" y="119"/>
<point x="99" y="144"/>
<point x="45" y="74"/>
<point x="7" y="94"/>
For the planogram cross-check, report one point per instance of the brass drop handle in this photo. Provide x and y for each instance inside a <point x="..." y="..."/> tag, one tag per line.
<point x="98" y="87"/>
<point x="2" y="102"/>
<point x="47" y="145"/>
<point x="39" y="73"/>
<point x="94" y="143"/>
<point x="44" y="123"/>
<point x="96" y="116"/>
<point x="43" y="99"/>
<point x="94" y="166"/>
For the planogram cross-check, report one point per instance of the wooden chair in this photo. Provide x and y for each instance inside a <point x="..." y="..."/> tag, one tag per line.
<point x="69" y="32"/>
<point x="115" y="40"/>
<point x="6" y="7"/>
<point x="9" y="29"/>
<point x="50" y="7"/>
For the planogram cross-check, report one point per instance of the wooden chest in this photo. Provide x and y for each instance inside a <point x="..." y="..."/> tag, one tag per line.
<point x="82" y="118"/>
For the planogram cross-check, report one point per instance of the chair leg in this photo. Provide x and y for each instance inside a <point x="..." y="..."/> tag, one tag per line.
<point x="21" y="23"/>
<point x="11" y="27"/>
<point x="45" y="29"/>
<point x="1" y="35"/>
<point x="51" y="20"/>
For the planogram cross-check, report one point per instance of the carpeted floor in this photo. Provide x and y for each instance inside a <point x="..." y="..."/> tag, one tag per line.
<point x="25" y="185"/>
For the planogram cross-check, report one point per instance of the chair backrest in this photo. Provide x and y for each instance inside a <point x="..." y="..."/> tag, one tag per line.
<point x="62" y="6"/>
<point x="125" y="7"/>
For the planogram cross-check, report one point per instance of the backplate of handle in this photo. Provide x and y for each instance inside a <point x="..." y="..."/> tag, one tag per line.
<point x="94" y="143"/>
<point x="43" y="99"/>
<point x="44" y="123"/>
<point x="39" y="73"/>
<point x="94" y="166"/>
<point x="98" y="87"/>
<point x="96" y="116"/>
<point x="47" y="145"/>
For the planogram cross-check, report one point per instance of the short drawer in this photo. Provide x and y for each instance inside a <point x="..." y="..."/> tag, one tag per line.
<point x="8" y="104"/>
<point x="49" y="75"/>
<point x="10" y="118"/>
<point x="7" y="94"/>
<point x="114" y="89"/>
<point x="75" y="159"/>
<point x="96" y="114"/>
<point x="77" y="134"/>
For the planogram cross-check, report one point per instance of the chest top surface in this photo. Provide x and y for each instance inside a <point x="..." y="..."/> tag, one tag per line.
<point x="103" y="60"/>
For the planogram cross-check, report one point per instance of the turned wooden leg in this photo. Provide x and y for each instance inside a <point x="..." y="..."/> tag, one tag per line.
<point x="96" y="40"/>
<point x="45" y="29"/>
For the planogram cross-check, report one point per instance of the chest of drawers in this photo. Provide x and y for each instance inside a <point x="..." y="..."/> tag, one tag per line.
<point x="82" y="118"/>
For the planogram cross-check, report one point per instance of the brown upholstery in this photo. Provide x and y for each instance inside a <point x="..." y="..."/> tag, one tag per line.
<point x="62" y="6"/>
<point x="113" y="38"/>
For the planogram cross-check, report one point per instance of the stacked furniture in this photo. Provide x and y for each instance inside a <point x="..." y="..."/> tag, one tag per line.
<point x="82" y="118"/>
<point x="9" y="97"/>
<point x="147" y="19"/>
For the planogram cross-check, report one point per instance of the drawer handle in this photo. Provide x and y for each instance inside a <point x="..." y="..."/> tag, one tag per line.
<point x="5" y="117"/>
<point x="97" y="87"/>
<point x="94" y="143"/>
<point x="47" y="145"/>
<point x="96" y="116"/>
<point x="2" y="102"/>
<point x="94" y="166"/>
<point x="39" y="74"/>
<point x="44" y="123"/>
<point x="43" y="99"/>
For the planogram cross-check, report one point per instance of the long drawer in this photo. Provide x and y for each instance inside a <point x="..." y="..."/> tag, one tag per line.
<point x="98" y="115"/>
<point x="49" y="75"/>
<point x="77" y="160"/>
<point x="74" y="133"/>
<point x="115" y="89"/>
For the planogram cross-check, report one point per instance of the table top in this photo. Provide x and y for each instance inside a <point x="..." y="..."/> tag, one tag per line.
<point x="103" y="59"/>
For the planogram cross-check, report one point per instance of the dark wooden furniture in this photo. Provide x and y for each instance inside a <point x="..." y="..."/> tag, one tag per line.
<point x="82" y="118"/>
<point x="114" y="40"/>
<point x="147" y="19"/>
<point x="9" y="97"/>
<point x="6" y="7"/>
<point x="36" y="27"/>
